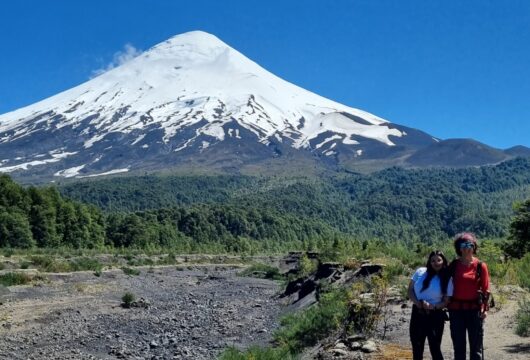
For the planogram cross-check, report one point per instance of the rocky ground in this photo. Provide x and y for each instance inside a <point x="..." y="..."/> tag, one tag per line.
<point x="190" y="312"/>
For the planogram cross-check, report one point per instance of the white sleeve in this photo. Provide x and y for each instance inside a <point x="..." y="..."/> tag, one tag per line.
<point x="450" y="287"/>
<point x="416" y="275"/>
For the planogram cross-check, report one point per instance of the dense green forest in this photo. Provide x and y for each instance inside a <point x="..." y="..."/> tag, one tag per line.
<point x="394" y="204"/>
<point x="242" y="213"/>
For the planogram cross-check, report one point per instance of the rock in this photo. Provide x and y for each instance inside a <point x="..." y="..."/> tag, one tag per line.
<point x="339" y="352"/>
<point x="369" y="347"/>
<point x="354" y="346"/>
<point x="340" y="345"/>
<point x="356" y="337"/>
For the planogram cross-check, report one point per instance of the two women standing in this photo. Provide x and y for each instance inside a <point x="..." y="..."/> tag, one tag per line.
<point x="462" y="287"/>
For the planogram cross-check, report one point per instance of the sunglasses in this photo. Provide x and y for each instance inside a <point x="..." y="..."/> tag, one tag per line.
<point x="466" y="245"/>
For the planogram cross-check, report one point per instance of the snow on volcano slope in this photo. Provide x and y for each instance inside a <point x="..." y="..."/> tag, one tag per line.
<point x="188" y="92"/>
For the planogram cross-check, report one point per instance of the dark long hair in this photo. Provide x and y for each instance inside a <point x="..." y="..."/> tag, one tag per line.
<point x="443" y="274"/>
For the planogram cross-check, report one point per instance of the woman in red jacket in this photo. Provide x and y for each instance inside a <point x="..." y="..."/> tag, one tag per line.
<point x="469" y="305"/>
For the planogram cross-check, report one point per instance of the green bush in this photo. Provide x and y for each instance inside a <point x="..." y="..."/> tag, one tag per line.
<point x="305" y="329"/>
<point x="256" y="353"/>
<point x="262" y="271"/>
<point x="130" y="271"/>
<point x="9" y="252"/>
<point x="523" y="271"/>
<point x="49" y="264"/>
<point x="25" y="264"/>
<point x="84" y="264"/>
<point x="2" y="266"/>
<point x="127" y="299"/>
<point x="11" y="279"/>
<point x="522" y="318"/>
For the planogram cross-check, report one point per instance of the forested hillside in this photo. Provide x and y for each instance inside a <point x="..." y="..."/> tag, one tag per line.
<point x="394" y="204"/>
<point x="229" y="213"/>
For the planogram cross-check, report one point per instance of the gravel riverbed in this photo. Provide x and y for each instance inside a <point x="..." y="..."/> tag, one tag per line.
<point x="191" y="312"/>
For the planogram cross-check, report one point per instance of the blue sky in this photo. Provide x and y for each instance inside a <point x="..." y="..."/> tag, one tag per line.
<point x="455" y="69"/>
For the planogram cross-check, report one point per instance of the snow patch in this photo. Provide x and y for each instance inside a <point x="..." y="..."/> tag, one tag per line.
<point x="71" y="172"/>
<point x="117" y="171"/>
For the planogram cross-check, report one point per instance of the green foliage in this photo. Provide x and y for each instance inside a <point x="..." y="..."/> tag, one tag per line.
<point x="85" y="264"/>
<point x="313" y="324"/>
<point x="522" y="318"/>
<point x="127" y="299"/>
<point x="41" y="217"/>
<point x="262" y="271"/>
<point x="50" y="264"/>
<point x="307" y="266"/>
<point x="523" y="271"/>
<point x="130" y="271"/>
<point x="13" y="278"/>
<point x="256" y="353"/>
<point x="337" y="214"/>
<point x="520" y="231"/>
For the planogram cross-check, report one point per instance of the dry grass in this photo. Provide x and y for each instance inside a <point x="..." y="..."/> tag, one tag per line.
<point x="393" y="352"/>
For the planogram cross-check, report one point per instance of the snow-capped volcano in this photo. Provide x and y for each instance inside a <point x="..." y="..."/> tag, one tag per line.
<point x="192" y="94"/>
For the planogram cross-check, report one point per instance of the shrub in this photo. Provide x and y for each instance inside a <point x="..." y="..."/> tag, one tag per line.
<point x="130" y="271"/>
<point x="2" y="266"/>
<point x="25" y="264"/>
<point x="262" y="271"/>
<point x="313" y="324"/>
<point x="522" y="318"/>
<point x="523" y="271"/>
<point x="9" y="252"/>
<point x="84" y="263"/>
<point x="11" y="279"/>
<point x="127" y="299"/>
<point x="49" y="264"/>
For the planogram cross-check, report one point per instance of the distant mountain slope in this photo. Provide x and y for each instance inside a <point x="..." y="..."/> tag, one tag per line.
<point x="457" y="153"/>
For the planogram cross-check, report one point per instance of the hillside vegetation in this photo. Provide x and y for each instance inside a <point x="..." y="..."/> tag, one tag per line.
<point x="249" y="214"/>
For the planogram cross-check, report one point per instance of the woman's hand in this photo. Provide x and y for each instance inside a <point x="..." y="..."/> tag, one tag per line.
<point x="483" y="315"/>
<point x="426" y="305"/>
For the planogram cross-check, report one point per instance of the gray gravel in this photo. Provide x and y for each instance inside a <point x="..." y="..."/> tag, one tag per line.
<point x="192" y="313"/>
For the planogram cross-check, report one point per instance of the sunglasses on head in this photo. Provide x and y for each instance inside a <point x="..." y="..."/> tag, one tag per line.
<point x="466" y="245"/>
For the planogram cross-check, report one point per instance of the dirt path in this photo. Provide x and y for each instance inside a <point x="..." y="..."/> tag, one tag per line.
<point x="500" y="341"/>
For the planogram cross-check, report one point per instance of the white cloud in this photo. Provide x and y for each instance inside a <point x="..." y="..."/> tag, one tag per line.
<point x="128" y="53"/>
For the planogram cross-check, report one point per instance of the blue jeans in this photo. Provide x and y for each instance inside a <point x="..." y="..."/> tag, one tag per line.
<point x="462" y="321"/>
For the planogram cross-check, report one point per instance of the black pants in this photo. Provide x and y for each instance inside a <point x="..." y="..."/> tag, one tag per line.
<point x="426" y="325"/>
<point x="469" y="321"/>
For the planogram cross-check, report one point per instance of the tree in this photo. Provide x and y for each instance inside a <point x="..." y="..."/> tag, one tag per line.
<point x="520" y="231"/>
<point x="15" y="230"/>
